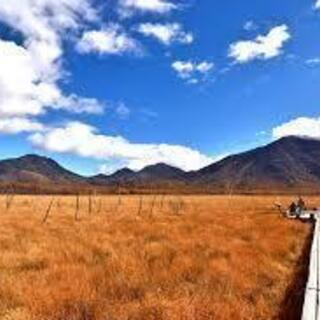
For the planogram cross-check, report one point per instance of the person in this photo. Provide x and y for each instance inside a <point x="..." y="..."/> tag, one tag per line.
<point x="293" y="208"/>
<point x="301" y="204"/>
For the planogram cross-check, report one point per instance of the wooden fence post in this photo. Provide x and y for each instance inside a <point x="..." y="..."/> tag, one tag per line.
<point x="89" y="204"/>
<point x="119" y="199"/>
<point x="140" y="205"/>
<point x="46" y="216"/>
<point x="76" y="215"/>
<point x="9" y="198"/>
<point x="152" y="204"/>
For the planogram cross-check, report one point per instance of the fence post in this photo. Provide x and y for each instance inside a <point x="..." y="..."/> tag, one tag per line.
<point x="46" y="216"/>
<point x="152" y="204"/>
<point x="89" y="204"/>
<point x="140" y="205"/>
<point x="9" y="198"/>
<point x="76" y="215"/>
<point x="119" y="199"/>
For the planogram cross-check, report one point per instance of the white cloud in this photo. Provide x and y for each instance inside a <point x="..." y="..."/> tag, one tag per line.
<point x="17" y="125"/>
<point x="317" y="4"/>
<point x="193" y="81"/>
<point x="122" y="111"/>
<point x="76" y="104"/>
<point x="183" y="68"/>
<point x="250" y="26"/>
<point x="303" y="126"/>
<point x="204" y="67"/>
<point x="191" y="71"/>
<point x="166" y="33"/>
<point x="30" y="72"/>
<point x="127" y="7"/>
<point x="313" y="62"/>
<point x="110" y="40"/>
<point x="263" y="47"/>
<point x="83" y="140"/>
<point x="21" y="88"/>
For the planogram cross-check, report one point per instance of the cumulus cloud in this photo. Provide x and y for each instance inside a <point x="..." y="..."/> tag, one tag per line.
<point x="85" y="141"/>
<point x="263" y="47"/>
<point x="31" y="71"/>
<point x="303" y="126"/>
<point x="317" y="4"/>
<point x="110" y="40"/>
<point x="17" y="125"/>
<point x="166" y="33"/>
<point x="191" y="71"/>
<point x="183" y="68"/>
<point x="128" y="7"/>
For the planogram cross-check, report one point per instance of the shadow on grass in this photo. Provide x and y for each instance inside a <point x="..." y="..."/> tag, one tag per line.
<point x="292" y="304"/>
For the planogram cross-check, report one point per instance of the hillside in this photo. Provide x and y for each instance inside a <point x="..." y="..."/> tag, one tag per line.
<point x="291" y="164"/>
<point x="36" y="169"/>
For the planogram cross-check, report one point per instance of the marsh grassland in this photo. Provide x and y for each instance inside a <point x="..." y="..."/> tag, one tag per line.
<point x="150" y="258"/>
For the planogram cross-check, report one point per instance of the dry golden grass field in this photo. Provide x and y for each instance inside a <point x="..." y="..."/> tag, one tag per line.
<point x="151" y="258"/>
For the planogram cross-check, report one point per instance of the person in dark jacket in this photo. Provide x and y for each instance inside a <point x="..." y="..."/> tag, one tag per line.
<point x="293" y="208"/>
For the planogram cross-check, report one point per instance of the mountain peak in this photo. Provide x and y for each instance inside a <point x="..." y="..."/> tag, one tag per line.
<point x="161" y="166"/>
<point x="35" y="157"/>
<point x="288" y="163"/>
<point x="296" y="138"/>
<point x="125" y="170"/>
<point x="122" y="173"/>
<point x="35" y="168"/>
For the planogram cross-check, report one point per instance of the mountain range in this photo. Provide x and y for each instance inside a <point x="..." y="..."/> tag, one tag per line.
<point x="291" y="164"/>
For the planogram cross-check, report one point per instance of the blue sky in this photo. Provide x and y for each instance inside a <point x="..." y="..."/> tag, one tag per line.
<point x="99" y="85"/>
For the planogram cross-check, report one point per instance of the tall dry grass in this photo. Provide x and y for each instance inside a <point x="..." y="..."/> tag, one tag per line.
<point x="149" y="258"/>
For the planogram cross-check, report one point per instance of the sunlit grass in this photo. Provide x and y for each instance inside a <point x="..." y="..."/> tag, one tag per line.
<point x="189" y="258"/>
